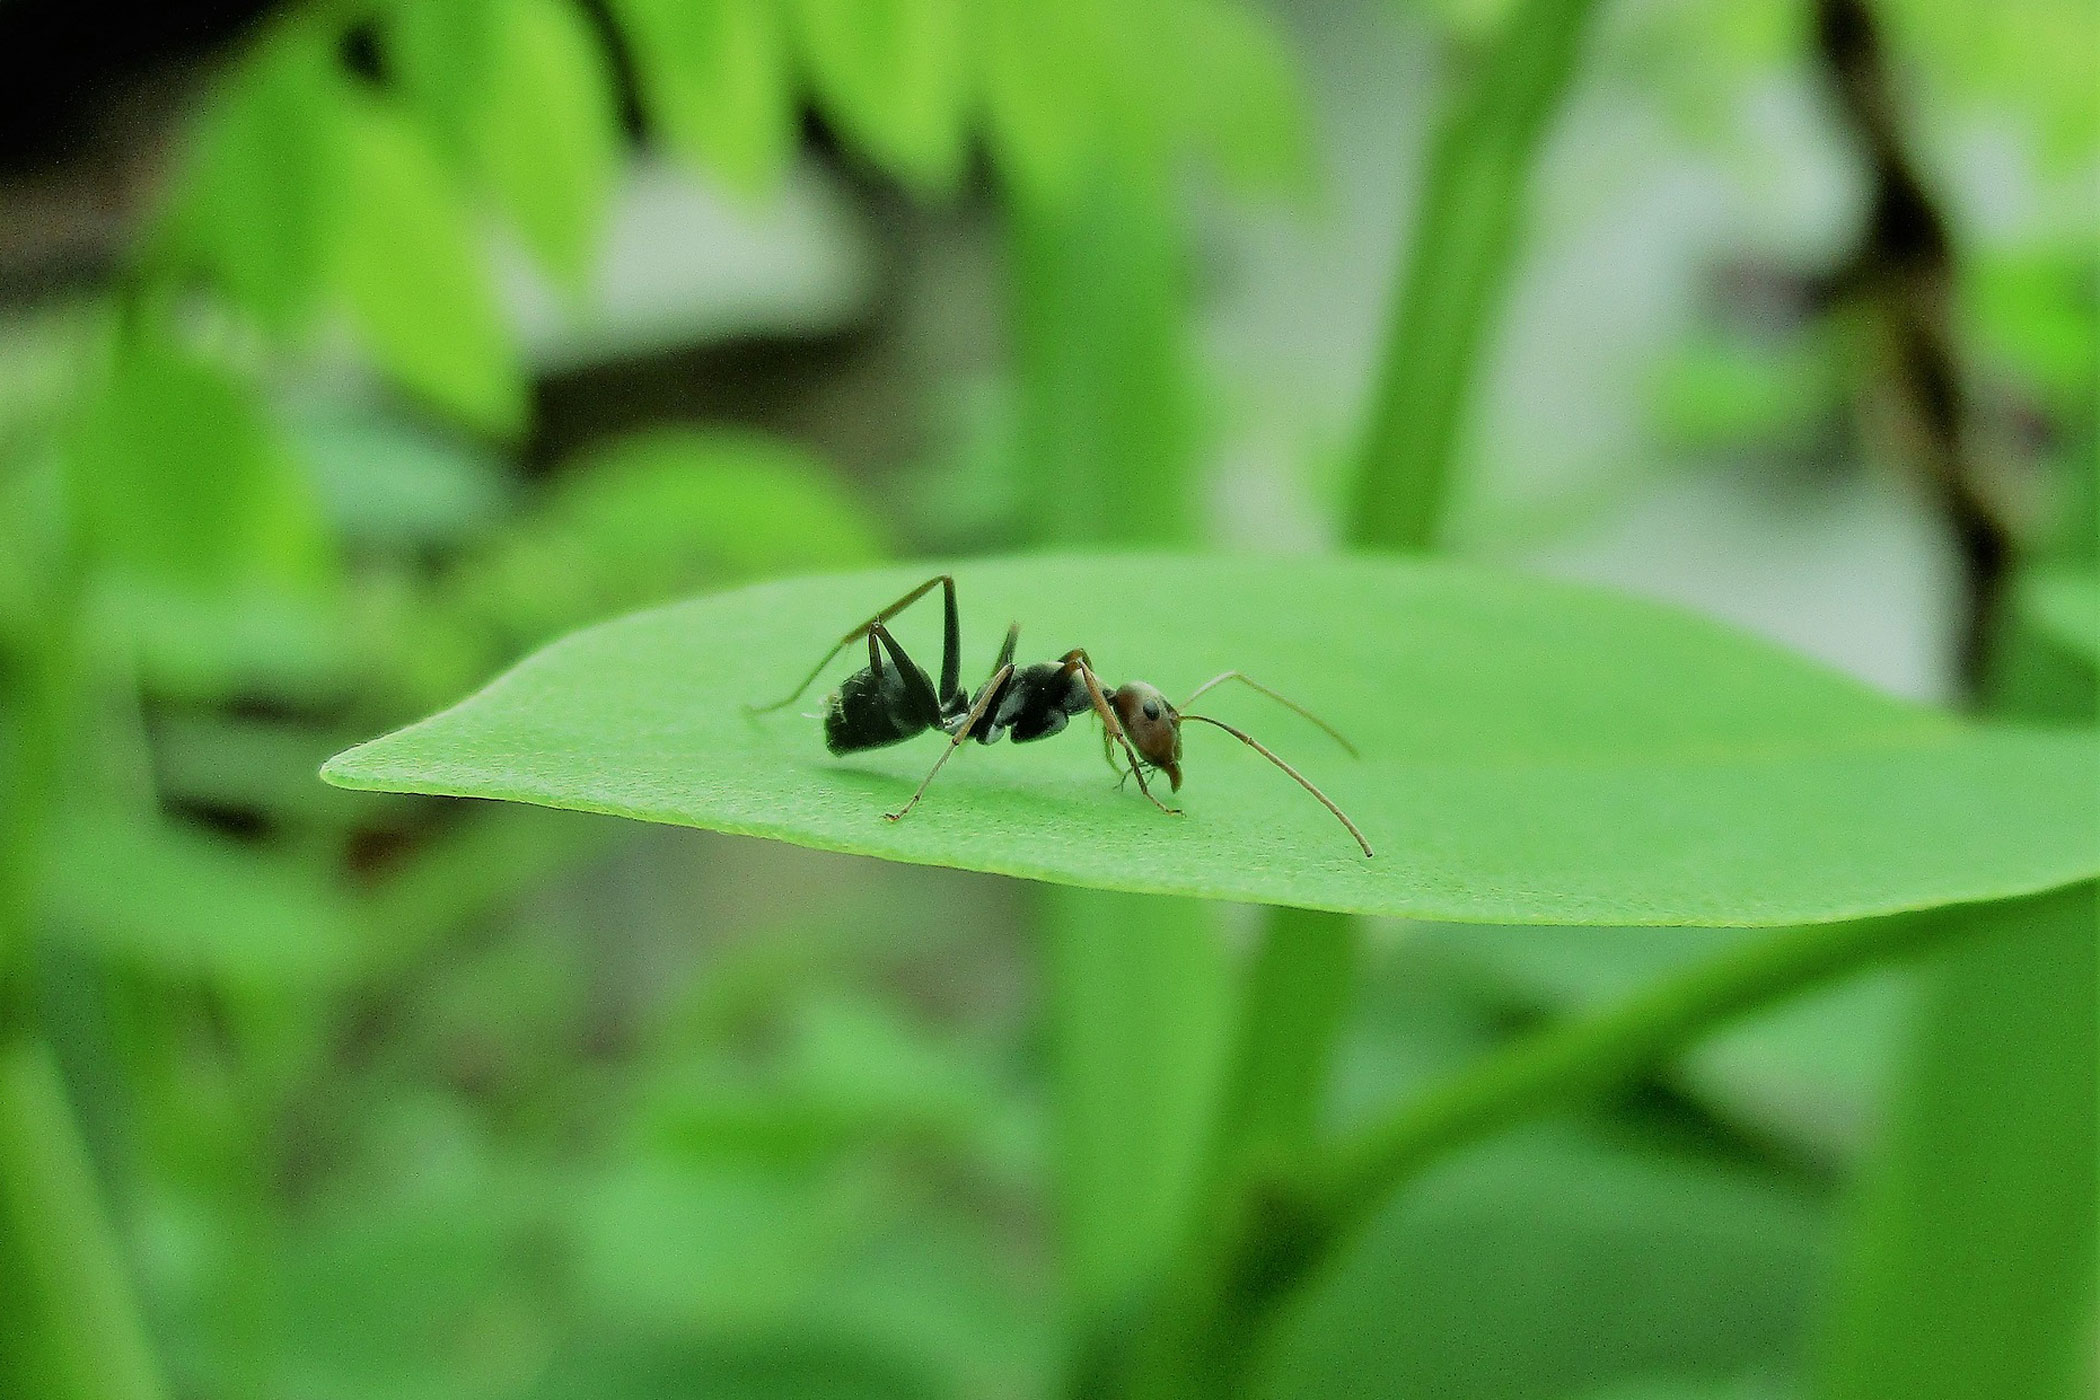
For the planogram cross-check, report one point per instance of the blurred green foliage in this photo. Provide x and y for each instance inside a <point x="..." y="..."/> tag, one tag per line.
<point x="316" y="1094"/>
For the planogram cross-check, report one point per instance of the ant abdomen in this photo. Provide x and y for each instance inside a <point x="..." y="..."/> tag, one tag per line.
<point x="871" y="712"/>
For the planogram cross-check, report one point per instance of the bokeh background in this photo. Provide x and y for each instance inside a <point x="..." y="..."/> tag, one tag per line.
<point x="350" y="350"/>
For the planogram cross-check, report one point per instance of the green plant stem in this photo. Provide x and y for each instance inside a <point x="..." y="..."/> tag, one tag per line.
<point x="1465" y="238"/>
<point x="69" y="1325"/>
<point x="1258" y="1248"/>
<point x="77" y="1334"/>
<point x="1591" y="1053"/>
<point x="1139" y="987"/>
<point x="1298" y="984"/>
<point x="1292" y="1009"/>
<point x="1100" y="321"/>
<point x="1966" y="1268"/>
<point x="1298" y="987"/>
<point x="1905" y="275"/>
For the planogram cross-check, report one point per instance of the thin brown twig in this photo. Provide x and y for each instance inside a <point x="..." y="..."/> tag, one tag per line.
<point x="1903" y="272"/>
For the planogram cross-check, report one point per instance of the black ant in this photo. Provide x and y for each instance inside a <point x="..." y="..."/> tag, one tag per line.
<point x="887" y="704"/>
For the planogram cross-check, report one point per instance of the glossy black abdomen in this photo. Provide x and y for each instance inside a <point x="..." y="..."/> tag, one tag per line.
<point x="867" y="713"/>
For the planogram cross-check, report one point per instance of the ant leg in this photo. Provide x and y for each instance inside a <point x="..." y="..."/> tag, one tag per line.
<point x="956" y="739"/>
<point x="1282" y="700"/>
<point x="917" y="694"/>
<point x="1005" y="664"/>
<point x="951" y="660"/>
<point x="1108" y="756"/>
<point x="1076" y="661"/>
<point x="951" y="644"/>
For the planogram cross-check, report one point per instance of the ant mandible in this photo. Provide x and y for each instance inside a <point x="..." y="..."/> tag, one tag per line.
<point x="886" y="704"/>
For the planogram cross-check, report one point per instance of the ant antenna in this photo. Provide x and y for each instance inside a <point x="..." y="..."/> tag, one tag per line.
<point x="1284" y="700"/>
<point x="1253" y="743"/>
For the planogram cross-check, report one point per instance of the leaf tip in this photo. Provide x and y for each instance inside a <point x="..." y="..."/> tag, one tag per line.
<point x="344" y="771"/>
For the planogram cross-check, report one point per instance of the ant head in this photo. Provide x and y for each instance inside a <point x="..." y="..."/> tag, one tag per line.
<point x="1153" y="725"/>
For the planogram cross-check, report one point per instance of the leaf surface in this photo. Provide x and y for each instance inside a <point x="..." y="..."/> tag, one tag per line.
<point x="1532" y="752"/>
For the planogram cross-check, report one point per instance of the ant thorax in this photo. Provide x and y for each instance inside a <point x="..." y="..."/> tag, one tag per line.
<point x="1033" y="702"/>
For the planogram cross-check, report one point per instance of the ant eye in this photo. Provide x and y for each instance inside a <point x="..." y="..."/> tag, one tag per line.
<point x="1152" y="709"/>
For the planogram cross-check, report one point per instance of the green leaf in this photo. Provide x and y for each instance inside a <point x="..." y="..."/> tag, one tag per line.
<point x="412" y="273"/>
<point x="1077" y="89"/>
<point x="1533" y="752"/>
<point x="715" y="76"/>
<point x="547" y="138"/>
<point x="1552" y="1262"/>
<point x="1238" y="94"/>
<point x="260" y="188"/>
<point x="178" y="902"/>
<point x="892" y="73"/>
<point x="442" y="57"/>
<point x="648" y="517"/>
<point x="1972" y="1267"/>
<point x="1049" y="90"/>
<point x="2065" y="606"/>
<point x="177" y="477"/>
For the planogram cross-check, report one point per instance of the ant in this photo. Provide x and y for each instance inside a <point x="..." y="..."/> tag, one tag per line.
<point x="887" y="704"/>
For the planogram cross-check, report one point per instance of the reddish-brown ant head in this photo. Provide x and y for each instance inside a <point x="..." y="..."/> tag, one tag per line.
<point x="1153" y="725"/>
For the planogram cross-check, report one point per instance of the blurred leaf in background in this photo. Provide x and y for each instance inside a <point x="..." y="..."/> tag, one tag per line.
<point x="413" y="279"/>
<point x="379" y="1095"/>
<point x="547" y="134"/>
<point x="716" y="76"/>
<point x="179" y="479"/>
